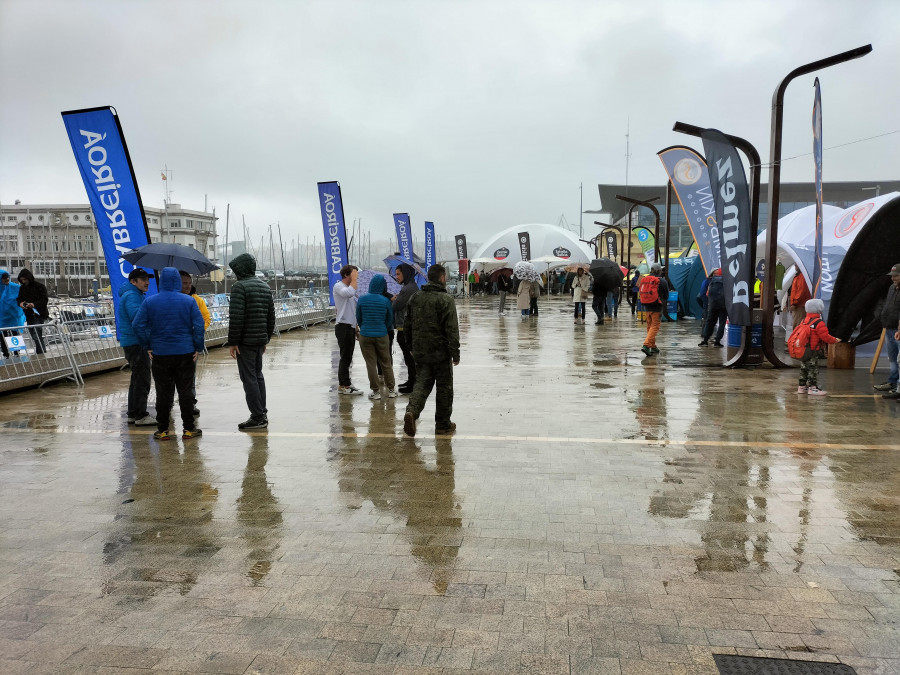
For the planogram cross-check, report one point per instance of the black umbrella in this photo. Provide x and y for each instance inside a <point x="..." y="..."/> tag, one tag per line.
<point x="157" y="256"/>
<point x="607" y="274"/>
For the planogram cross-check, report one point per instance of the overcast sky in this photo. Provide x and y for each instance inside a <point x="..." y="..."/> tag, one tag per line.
<point x="476" y="115"/>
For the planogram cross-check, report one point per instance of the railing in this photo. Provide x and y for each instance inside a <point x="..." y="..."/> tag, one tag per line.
<point x="81" y="338"/>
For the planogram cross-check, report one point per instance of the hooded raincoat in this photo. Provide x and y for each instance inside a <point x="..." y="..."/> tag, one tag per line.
<point x="169" y="323"/>
<point x="374" y="315"/>
<point x="10" y="312"/>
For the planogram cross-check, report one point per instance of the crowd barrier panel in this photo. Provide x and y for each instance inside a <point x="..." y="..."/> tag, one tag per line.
<point x="24" y="367"/>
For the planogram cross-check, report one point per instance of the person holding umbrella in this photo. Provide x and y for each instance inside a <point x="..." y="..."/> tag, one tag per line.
<point x="525" y="273"/>
<point x="580" y="288"/>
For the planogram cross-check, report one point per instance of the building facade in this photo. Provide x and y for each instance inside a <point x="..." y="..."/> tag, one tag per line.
<point x="60" y="245"/>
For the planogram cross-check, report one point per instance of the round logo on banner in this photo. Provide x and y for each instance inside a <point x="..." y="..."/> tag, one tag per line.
<point x="523" y="239"/>
<point x="850" y="221"/>
<point x="501" y="253"/>
<point x="459" y="242"/>
<point x="687" y="171"/>
<point x="643" y="235"/>
<point x="561" y="252"/>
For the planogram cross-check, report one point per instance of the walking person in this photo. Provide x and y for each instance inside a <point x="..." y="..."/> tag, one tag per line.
<point x="187" y="287"/>
<point x="251" y="324"/>
<point x="613" y="298"/>
<point x="715" y="309"/>
<point x="523" y="297"/>
<point x="431" y="315"/>
<point x="406" y="276"/>
<point x="33" y="300"/>
<point x="653" y="289"/>
<point x="170" y="327"/>
<point x="818" y="338"/>
<point x="375" y="320"/>
<point x="10" y="312"/>
<point x="890" y="321"/>
<point x="633" y="289"/>
<point x="344" y="292"/>
<point x="799" y="295"/>
<point x="131" y="297"/>
<point x="503" y="287"/>
<point x="580" y="287"/>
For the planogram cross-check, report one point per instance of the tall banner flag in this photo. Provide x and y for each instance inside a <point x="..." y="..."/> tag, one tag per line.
<point x="688" y="174"/>
<point x="105" y="165"/>
<point x="648" y="244"/>
<point x="732" y="195"/>
<point x="404" y="240"/>
<point x="332" y="207"/>
<point x="817" y="155"/>
<point x="429" y="246"/>
<point x="462" y="254"/>
<point x="525" y="245"/>
<point x="611" y="245"/>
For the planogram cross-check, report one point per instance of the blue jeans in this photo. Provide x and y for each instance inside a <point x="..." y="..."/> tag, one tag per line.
<point x="892" y="349"/>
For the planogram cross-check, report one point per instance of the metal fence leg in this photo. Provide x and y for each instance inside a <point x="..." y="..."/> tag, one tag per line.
<point x="67" y="348"/>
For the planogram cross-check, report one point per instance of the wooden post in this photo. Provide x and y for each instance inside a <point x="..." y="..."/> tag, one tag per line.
<point x="877" y="352"/>
<point x="842" y="356"/>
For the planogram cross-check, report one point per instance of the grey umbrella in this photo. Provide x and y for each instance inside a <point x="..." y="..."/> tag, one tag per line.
<point x="158" y="256"/>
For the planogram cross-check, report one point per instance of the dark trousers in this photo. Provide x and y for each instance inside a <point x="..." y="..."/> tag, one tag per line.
<point x="171" y="373"/>
<point x="532" y="307"/>
<point x="597" y="303"/>
<point x="139" y="387"/>
<point x="715" y="313"/>
<point x="37" y="334"/>
<point x="249" y="363"/>
<point x="406" y="348"/>
<point x="346" y="337"/>
<point x="579" y="307"/>
<point x="427" y="376"/>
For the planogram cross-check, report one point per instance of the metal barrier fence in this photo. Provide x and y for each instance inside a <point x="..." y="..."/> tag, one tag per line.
<point x="81" y="338"/>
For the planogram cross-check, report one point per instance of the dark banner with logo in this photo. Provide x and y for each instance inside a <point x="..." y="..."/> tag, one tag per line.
<point x="332" y="207"/>
<point x="525" y="245"/>
<point x="501" y="253"/>
<point x="690" y="179"/>
<point x="612" y="245"/>
<point x="108" y="176"/>
<point x="817" y="155"/>
<point x="462" y="252"/>
<point x="732" y="195"/>
<point x="429" y="246"/>
<point x="404" y="239"/>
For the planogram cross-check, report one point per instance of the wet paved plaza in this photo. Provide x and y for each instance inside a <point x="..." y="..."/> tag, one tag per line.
<point x="596" y="512"/>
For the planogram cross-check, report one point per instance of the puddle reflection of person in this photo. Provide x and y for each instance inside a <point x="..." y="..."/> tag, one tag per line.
<point x="258" y="513"/>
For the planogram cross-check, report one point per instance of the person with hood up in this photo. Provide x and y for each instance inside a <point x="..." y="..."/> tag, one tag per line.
<point x="375" y="319"/>
<point x="250" y="327"/>
<point x="406" y="277"/>
<point x="818" y="337"/>
<point x="170" y="327"/>
<point x="131" y="297"/>
<point x="33" y="300"/>
<point x="431" y="316"/>
<point x="715" y="309"/>
<point x="10" y="312"/>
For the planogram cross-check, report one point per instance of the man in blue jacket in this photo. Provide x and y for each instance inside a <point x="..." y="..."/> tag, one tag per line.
<point x="169" y="325"/>
<point x="131" y="297"/>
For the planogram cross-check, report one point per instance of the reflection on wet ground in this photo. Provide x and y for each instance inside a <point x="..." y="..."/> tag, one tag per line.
<point x="597" y="511"/>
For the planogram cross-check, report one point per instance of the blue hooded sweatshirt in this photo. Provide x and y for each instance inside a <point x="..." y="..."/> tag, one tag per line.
<point x="169" y="323"/>
<point x="130" y="299"/>
<point x="374" y="315"/>
<point x="10" y="312"/>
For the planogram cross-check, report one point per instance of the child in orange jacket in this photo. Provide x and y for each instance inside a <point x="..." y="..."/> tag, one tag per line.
<point x="818" y="337"/>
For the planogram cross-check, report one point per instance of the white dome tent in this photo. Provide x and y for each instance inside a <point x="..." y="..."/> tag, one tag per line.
<point x="551" y="246"/>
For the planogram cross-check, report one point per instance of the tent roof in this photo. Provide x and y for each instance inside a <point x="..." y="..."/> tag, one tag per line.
<point x="547" y="241"/>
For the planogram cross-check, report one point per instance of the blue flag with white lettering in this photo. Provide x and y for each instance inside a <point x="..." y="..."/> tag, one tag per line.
<point x="404" y="240"/>
<point x="105" y="166"/>
<point x="335" y="234"/>
<point x="429" y="246"/>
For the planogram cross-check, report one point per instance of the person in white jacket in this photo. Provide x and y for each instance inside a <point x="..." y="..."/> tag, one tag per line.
<point x="581" y="284"/>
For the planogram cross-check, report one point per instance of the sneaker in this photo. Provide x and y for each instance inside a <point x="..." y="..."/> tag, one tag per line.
<point x="891" y="394"/>
<point x="392" y="393"/>
<point x="349" y="391"/>
<point x="374" y="395"/>
<point x="654" y="350"/>
<point x="646" y="350"/>
<point x="885" y="386"/>
<point x="409" y="424"/>
<point x="704" y="343"/>
<point x="254" y="423"/>
<point x="146" y="421"/>
<point x="815" y="391"/>
<point x="163" y="435"/>
<point x="444" y="431"/>
<point x="802" y="389"/>
<point x="191" y="433"/>
<point x="717" y="344"/>
<point x="131" y="420"/>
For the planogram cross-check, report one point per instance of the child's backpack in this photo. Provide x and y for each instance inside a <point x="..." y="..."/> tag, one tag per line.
<point x="799" y="340"/>
<point x="649" y="290"/>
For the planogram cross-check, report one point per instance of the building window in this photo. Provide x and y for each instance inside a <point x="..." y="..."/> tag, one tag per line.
<point x="75" y="218"/>
<point x="174" y="223"/>
<point x="88" y="217"/>
<point x="13" y="218"/>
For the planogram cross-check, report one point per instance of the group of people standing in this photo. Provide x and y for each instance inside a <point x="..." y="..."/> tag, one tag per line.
<point x="427" y="330"/>
<point x="23" y="303"/>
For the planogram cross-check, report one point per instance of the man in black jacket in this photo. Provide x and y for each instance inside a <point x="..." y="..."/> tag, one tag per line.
<point x="890" y="321"/>
<point x="33" y="300"/>
<point x="406" y="277"/>
<point x="251" y="323"/>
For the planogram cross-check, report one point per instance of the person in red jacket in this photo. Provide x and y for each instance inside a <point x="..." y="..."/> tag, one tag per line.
<point x="799" y="295"/>
<point x="818" y="338"/>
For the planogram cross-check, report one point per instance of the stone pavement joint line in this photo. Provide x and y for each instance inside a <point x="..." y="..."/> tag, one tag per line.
<point x="598" y="511"/>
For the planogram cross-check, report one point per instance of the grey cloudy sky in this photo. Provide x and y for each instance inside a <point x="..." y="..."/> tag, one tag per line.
<point x="476" y="115"/>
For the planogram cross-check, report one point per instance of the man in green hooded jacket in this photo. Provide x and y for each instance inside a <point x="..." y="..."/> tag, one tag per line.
<point x="431" y="318"/>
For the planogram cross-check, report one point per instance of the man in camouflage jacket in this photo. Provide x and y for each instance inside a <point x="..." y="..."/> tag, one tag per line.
<point x="431" y="318"/>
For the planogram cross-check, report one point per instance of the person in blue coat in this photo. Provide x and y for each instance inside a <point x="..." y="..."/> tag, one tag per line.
<point x="170" y="327"/>
<point x="375" y="319"/>
<point x="131" y="297"/>
<point x="10" y="312"/>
